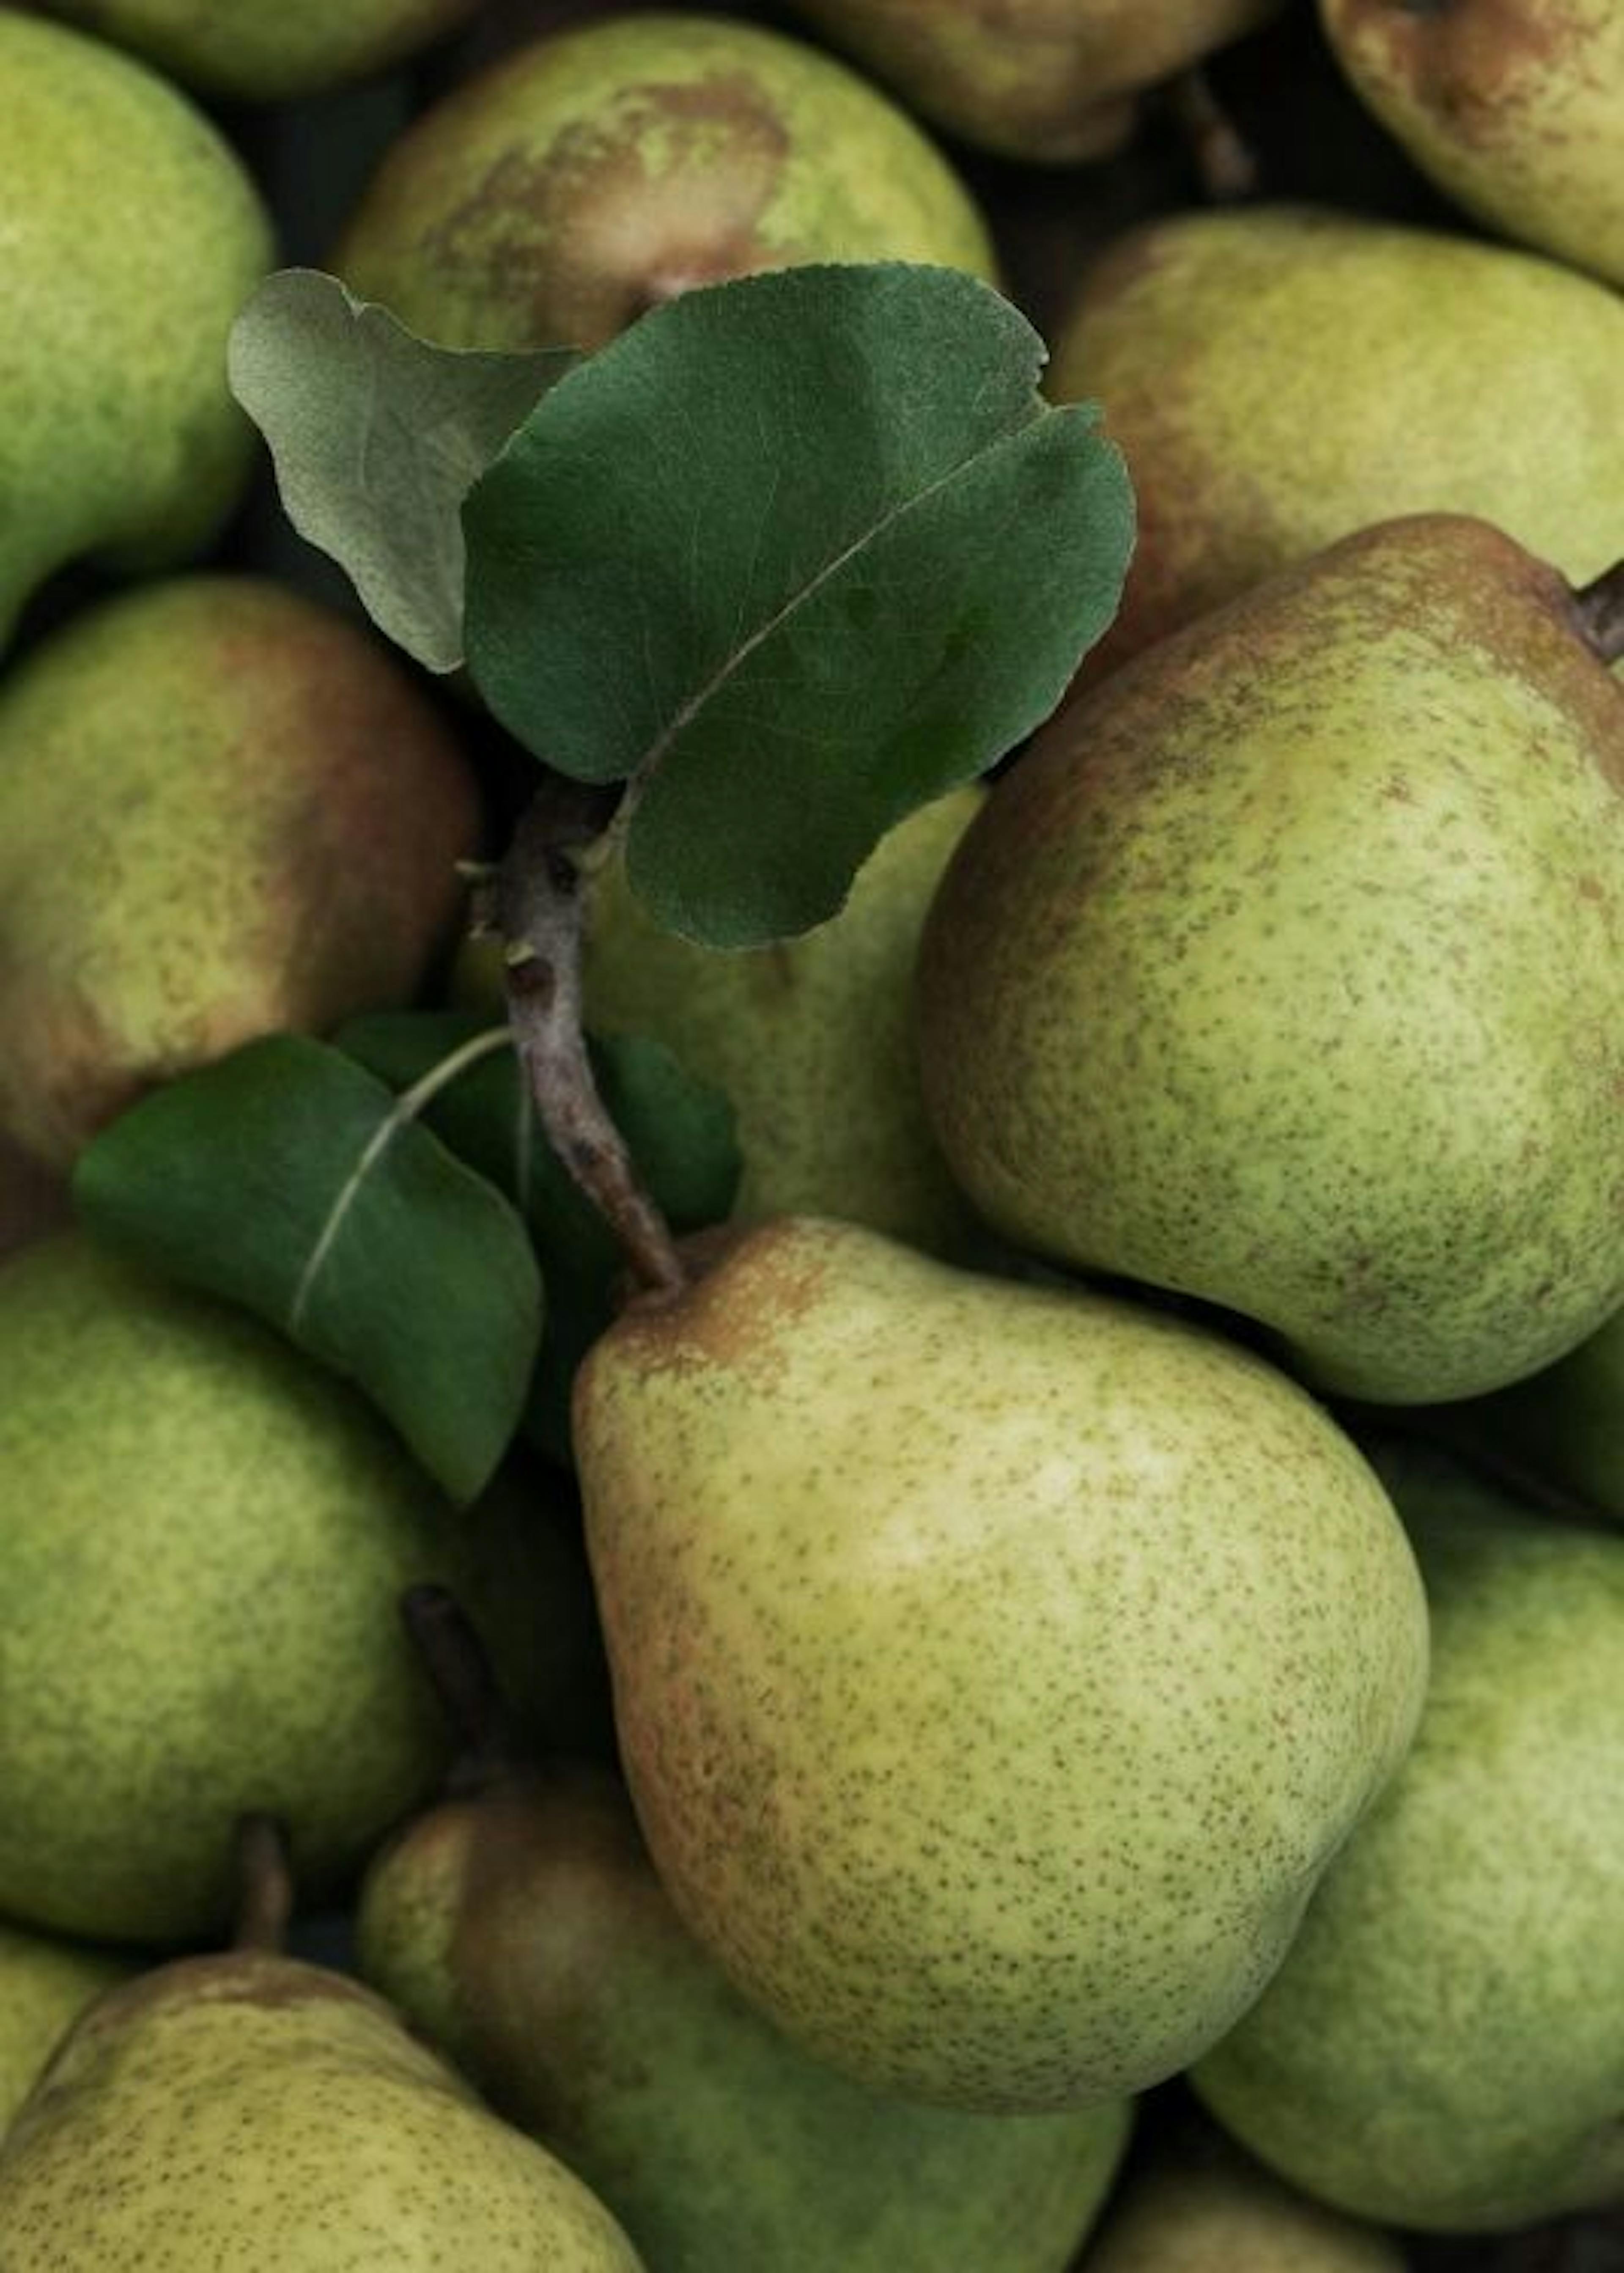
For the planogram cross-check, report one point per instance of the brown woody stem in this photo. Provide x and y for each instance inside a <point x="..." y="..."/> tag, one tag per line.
<point x="1226" y="162"/>
<point x="264" y="1886"/>
<point x="535" y="904"/>
<point x="471" y="1698"/>
<point x="1600" y="606"/>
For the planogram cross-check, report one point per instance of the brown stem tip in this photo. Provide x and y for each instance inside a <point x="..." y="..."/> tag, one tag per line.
<point x="264" y="1884"/>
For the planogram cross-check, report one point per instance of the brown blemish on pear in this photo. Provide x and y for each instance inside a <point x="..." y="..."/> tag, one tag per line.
<point x="1469" y="61"/>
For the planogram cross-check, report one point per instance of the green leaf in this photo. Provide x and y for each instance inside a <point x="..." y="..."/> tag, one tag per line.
<point x="679" y="1131"/>
<point x="792" y="556"/>
<point x="377" y="437"/>
<point x="285" y="1178"/>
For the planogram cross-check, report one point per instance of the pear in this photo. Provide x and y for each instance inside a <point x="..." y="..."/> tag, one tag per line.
<point x="1514" y="109"/>
<point x="1444" y="2045"/>
<point x="32" y="1201"/>
<point x="45" y="1985"/>
<point x="811" y="1039"/>
<point x="996" y="1668"/>
<point x="224" y="811"/>
<point x="1561" y="1429"/>
<point x="253" y="2110"/>
<point x="1050" y="81"/>
<point x="1285" y="972"/>
<point x="1279" y="377"/>
<point x="205" y="1539"/>
<point x="132" y="237"/>
<point x="242" y="49"/>
<point x="522" y="1930"/>
<point x="594" y="173"/>
<point x="1198" y="2207"/>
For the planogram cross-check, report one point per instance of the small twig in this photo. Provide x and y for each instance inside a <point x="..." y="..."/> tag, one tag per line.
<point x="264" y="1886"/>
<point x="1226" y="163"/>
<point x="471" y="1698"/>
<point x="536" y="905"/>
<point x="1600" y="606"/>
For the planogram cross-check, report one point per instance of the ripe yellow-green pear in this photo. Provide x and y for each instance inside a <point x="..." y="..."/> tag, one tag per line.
<point x="45" y="1985"/>
<point x="1514" y="107"/>
<point x="132" y="237"/>
<point x="1199" y="2207"/>
<point x="224" y="812"/>
<point x="996" y="1668"/>
<point x="811" y="1039"/>
<point x="1047" y="80"/>
<point x="1284" y="970"/>
<point x="243" y="49"/>
<point x="523" y="1932"/>
<point x="249" y="2110"/>
<point x="1444" y="2045"/>
<point x="205" y="1538"/>
<point x="594" y="173"/>
<point x="1280" y="377"/>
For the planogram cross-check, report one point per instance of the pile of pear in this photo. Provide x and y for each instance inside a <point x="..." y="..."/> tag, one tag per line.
<point x="1109" y="1572"/>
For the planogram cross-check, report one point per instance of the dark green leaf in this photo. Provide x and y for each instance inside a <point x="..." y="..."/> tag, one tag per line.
<point x="377" y="437"/>
<point x="287" y="1179"/>
<point x="794" y="555"/>
<point x="679" y="1131"/>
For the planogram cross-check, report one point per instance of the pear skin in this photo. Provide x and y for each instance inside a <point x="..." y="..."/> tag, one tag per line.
<point x="251" y="53"/>
<point x="1284" y="970"/>
<point x="523" y="1932"/>
<point x="206" y="1536"/>
<point x="132" y="237"/>
<point x="1051" y="82"/>
<point x="594" y="173"/>
<point x="1279" y="377"/>
<point x="1514" y="107"/>
<point x="45" y="1985"/>
<point x="224" y="812"/>
<point x="996" y="1668"/>
<point x="252" y="2110"/>
<point x="1199" y="2207"/>
<point x="1444" y="2045"/>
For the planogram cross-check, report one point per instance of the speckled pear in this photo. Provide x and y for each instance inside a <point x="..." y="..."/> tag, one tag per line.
<point x="524" y="1932"/>
<point x="245" y="50"/>
<point x="996" y="1668"/>
<point x="1514" y="107"/>
<point x="1285" y="971"/>
<point x="1052" y="81"/>
<point x="132" y="237"/>
<point x="206" y="1536"/>
<point x="45" y="1985"/>
<point x="1444" y="2045"/>
<point x="1199" y="2207"/>
<point x="599" y="171"/>
<point x="1279" y="377"/>
<point x="249" y="2110"/>
<point x="224" y="812"/>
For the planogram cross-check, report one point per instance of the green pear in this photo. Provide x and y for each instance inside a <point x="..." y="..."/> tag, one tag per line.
<point x="996" y="1668"/>
<point x="1563" y="1428"/>
<point x="205" y="1538"/>
<point x="1280" y="377"/>
<point x="1198" y="2207"/>
<point x="1444" y="2047"/>
<point x="1050" y="81"/>
<point x="1515" y="108"/>
<point x="132" y="237"/>
<point x="224" y="811"/>
<point x="523" y="1932"/>
<point x="811" y="1039"/>
<point x="1284" y="970"/>
<point x="242" y="49"/>
<point x="45" y="1985"/>
<point x="250" y="2109"/>
<point x="594" y="173"/>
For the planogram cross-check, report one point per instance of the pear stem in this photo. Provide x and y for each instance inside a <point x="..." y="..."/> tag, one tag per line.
<point x="1226" y="163"/>
<point x="1601" y="612"/>
<point x="264" y="1886"/>
<point x="535" y="904"/>
<point x="471" y="1697"/>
